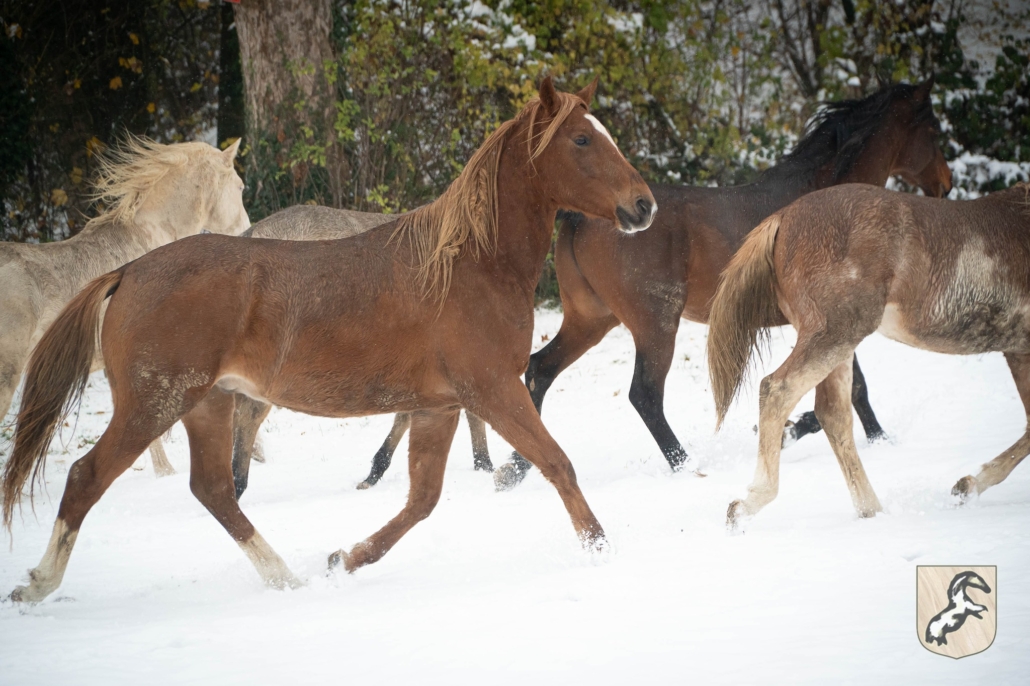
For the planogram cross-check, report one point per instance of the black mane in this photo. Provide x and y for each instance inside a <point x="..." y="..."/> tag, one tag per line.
<point x="840" y="130"/>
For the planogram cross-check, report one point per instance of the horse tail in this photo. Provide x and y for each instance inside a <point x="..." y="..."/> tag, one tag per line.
<point x="744" y="305"/>
<point x="54" y="381"/>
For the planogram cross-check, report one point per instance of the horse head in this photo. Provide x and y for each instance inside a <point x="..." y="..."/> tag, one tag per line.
<point x="581" y="168"/>
<point x="920" y="161"/>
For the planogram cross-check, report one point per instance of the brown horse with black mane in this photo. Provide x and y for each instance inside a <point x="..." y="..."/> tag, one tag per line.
<point x="951" y="277"/>
<point x="650" y="280"/>
<point x="426" y="314"/>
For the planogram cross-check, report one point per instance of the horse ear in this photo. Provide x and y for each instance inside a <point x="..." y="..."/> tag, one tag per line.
<point x="548" y="96"/>
<point x="922" y="91"/>
<point x="229" y="154"/>
<point x="587" y="94"/>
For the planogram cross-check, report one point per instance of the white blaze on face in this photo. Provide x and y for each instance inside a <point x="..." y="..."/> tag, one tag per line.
<point x="600" y="127"/>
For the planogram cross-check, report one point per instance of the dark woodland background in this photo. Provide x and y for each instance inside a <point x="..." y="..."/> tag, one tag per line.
<point x="374" y="105"/>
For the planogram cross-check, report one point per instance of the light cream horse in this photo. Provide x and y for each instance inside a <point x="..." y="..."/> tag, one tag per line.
<point x="154" y="194"/>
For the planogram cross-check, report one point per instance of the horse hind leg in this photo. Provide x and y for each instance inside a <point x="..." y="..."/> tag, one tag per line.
<point x="808" y="423"/>
<point x="162" y="467"/>
<point x="807" y="365"/>
<point x="88" y="479"/>
<point x="833" y="407"/>
<point x="247" y="418"/>
<point x="998" y="469"/>
<point x="480" y="450"/>
<point x="431" y="434"/>
<point x="209" y="426"/>
<point x="384" y="456"/>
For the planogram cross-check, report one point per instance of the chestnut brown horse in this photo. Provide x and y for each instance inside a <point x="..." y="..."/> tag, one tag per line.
<point x="317" y="223"/>
<point x="649" y="281"/>
<point x="427" y="314"/>
<point x="952" y="277"/>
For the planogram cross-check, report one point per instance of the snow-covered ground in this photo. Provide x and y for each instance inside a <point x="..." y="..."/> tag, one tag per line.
<point x="494" y="589"/>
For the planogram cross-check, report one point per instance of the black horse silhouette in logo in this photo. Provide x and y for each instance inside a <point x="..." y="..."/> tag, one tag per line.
<point x="951" y="618"/>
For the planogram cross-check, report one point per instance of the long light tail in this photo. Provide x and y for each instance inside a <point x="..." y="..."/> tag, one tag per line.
<point x="744" y="305"/>
<point x="56" y="376"/>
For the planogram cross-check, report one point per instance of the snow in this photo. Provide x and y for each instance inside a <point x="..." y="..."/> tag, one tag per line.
<point x="493" y="588"/>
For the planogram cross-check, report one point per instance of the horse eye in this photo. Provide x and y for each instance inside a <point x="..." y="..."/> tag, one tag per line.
<point x="582" y="140"/>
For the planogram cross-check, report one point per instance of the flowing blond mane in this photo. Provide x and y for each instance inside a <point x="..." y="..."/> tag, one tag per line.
<point x="465" y="216"/>
<point x="129" y="172"/>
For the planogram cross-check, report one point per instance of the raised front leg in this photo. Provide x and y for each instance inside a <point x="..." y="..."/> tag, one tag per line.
<point x="808" y="423"/>
<point x="510" y="413"/>
<point x="998" y="469"/>
<point x="431" y="435"/>
<point x="384" y="456"/>
<point x="577" y="335"/>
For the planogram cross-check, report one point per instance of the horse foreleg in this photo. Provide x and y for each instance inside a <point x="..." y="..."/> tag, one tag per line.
<point x="88" y="479"/>
<point x="248" y="414"/>
<point x="384" y="456"/>
<point x="578" y="334"/>
<point x="209" y="426"/>
<point x="509" y="413"/>
<point x="480" y="450"/>
<point x="998" y="469"/>
<point x="833" y="407"/>
<point x="431" y="434"/>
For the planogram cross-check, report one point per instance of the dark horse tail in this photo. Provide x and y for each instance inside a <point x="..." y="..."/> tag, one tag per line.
<point x="56" y="376"/>
<point x="743" y="306"/>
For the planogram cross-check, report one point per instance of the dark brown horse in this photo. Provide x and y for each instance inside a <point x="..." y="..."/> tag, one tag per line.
<point x="952" y="277"/>
<point x="428" y="314"/>
<point x="649" y="281"/>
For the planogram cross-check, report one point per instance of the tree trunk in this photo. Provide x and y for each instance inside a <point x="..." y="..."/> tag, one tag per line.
<point x="285" y="48"/>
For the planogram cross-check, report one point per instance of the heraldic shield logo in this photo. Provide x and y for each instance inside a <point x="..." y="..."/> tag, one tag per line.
<point x="956" y="609"/>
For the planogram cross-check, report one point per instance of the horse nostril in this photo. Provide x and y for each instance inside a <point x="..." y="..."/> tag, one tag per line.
<point x="644" y="208"/>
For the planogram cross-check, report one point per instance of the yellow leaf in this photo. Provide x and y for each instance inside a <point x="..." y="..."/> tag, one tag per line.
<point x="94" y="146"/>
<point x="134" y="38"/>
<point x="151" y="107"/>
<point x="58" y="197"/>
<point x="78" y="83"/>
<point x="195" y="87"/>
<point x="116" y="83"/>
<point x="76" y="175"/>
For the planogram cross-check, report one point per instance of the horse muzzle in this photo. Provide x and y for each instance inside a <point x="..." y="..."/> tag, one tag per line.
<point x="639" y="218"/>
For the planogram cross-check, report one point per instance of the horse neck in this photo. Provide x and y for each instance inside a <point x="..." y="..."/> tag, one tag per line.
<point x="115" y="242"/>
<point x="876" y="161"/>
<point x="525" y="216"/>
<point x="784" y="183"/>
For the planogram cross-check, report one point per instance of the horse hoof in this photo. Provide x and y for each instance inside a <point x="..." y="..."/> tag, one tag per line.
<point x="735" y="515"/>
<point x="484" y="465"/>
<point x="364" y="485"/>
<point x="790" y="435"/>
<point x="877" y="437"/>
<point x="595" y="543"/>
<point x="339" y="558"/>
<point x="25" y="594"/>
<point x="507" y="477"/>
<point x="964" y="489"/>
